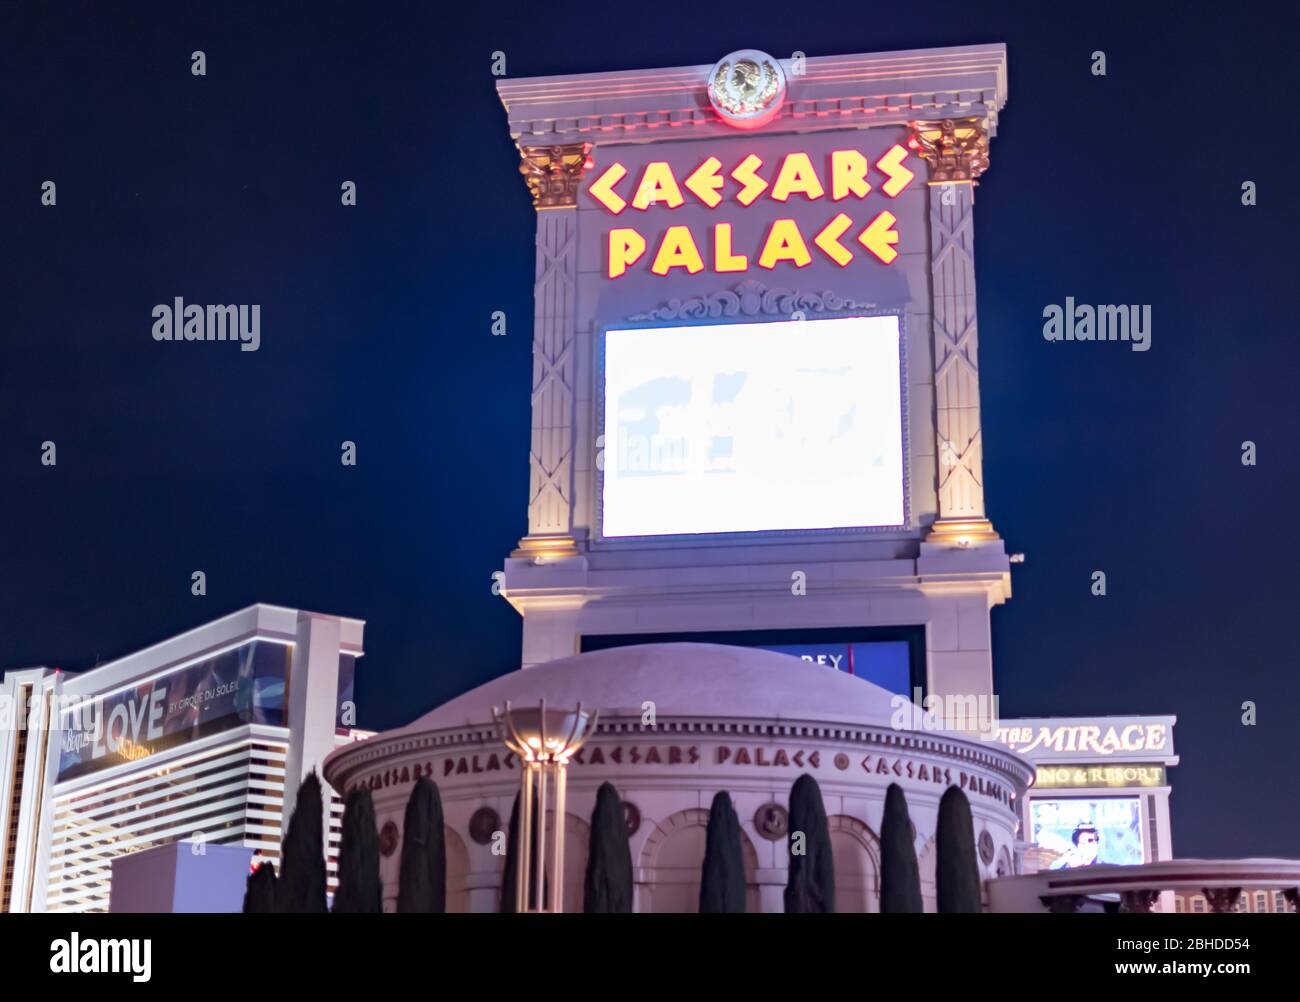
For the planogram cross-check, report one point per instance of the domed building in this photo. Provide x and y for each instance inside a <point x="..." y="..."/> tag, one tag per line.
<point x="677" y="723"/>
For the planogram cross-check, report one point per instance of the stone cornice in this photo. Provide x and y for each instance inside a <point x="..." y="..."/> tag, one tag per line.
<point x="345" y="763"/>
<point x="833" y="92"/>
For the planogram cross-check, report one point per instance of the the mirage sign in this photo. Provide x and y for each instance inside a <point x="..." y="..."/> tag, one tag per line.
<point x="1074" y="738"/>
<point x="241" y="686"/>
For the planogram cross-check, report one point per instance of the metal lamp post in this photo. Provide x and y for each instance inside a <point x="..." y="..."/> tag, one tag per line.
<point x="543" y="740"/>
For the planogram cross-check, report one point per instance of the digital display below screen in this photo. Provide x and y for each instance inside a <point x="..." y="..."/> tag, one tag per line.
<point x="884" y="663"/>
<point x="792" y="424"/>
<point x="1070" y="833"/>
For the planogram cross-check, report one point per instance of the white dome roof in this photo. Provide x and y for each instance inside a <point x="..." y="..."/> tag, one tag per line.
<point x="708" y="680"/>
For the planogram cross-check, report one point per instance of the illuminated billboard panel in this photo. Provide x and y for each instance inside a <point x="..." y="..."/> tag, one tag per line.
<point x="792" y="424"/>
<point x="1074" y="832"/>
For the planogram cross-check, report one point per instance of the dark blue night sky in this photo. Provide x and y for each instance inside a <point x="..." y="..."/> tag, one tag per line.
<point x="376" y="328"/>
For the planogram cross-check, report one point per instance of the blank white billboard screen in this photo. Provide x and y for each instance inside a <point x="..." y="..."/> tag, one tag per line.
<point x="793" y="424"/>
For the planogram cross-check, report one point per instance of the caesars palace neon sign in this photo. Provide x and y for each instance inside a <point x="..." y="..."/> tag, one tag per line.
<point x="847" y="179"/>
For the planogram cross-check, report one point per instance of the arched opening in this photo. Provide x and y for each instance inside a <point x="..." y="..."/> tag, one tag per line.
<point x="457" y="871"/>
<point x="856" y="851"/>
<point x="577" y="838"/>
<point x="674" y="856"/>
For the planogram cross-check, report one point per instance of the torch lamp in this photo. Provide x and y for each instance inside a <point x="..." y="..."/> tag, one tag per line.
<point x="543" y="739"/>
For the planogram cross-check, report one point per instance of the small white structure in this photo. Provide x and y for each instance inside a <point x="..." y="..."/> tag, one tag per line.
<point x="678" y="723"/>
<point x="181" y="877"/>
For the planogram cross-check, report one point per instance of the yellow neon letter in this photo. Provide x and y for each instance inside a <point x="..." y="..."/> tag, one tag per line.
<point x="754" y="185"/>
<point x="849" y="174"/>
<point x="602" y="189"/>
<point x="678" y="250"/>
<point x="625" y="248"/>
<point x="784" y="243"/>
<point x="829" y="240"/>
<point x="723" y="259"/>
<point x="705" y="181"/>
<point x="797" y="177"/>
<point x="657" y="185"/>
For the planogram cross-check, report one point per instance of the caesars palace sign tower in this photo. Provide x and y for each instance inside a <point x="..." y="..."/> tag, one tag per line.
<point x="755" y="399"/>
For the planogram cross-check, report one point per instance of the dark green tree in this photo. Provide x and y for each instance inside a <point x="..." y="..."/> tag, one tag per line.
<point x="607" y="884"/>
<point x="900" y="877"/>
<point x="301" y="885"/>
<point x="422" y="879"/>
<point x="722" y="881"/>
<point x="957" y="875"/>
<point x="811" y="883"/>
<point x="359" y="889"/>
<point x="259" y="892"/>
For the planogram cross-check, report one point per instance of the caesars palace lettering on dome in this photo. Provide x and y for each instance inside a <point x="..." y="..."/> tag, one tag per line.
<point x="722" y="755"/>
<point x="846" y="175"/>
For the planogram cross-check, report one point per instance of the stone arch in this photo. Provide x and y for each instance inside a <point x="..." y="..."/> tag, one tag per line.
<point x="855" y="849"/>
<point x="577" y="839"/>
<point x="673" y="855"/>
<point x="926" y="861"/>
<point x="457" y="871"/>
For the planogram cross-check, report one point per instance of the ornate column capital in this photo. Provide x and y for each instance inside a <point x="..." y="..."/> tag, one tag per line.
<point x="957" y="149"/>
<point x="553" y="173"/>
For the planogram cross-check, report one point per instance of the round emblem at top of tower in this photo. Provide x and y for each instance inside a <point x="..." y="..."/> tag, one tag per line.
<point x="746" y="88"/>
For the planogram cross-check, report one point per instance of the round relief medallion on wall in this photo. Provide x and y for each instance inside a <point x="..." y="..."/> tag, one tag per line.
<point x="388" y="839"/>
<point x="986" y="847"/>
<point x="841" y="761"/>
<point x="631" y="817"/>
<point x="746" y="88"/>
<point x="483" y="824"/>
<point x="772" y="821"/>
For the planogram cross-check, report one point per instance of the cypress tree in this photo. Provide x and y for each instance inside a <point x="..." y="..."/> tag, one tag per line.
<point x="607" y="884"/>
<point x="259" y="891"/>
<point x="811" y="883"/>
<point x="900" y="877"/>
<point x="722" y="881"/>
<point x="301" y="886"/>
<point x="422" y="879"/>
<point x="957" y="875"/>
<point x="360" y="889"/>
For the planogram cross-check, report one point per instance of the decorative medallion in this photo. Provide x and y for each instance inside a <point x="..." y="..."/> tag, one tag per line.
<point x="388" y="839"/>
<point x="483" y="824"/>
<point x="841" y="761"/>
<point x="631" y="817"/>
<point x="986" y="847"/>
<point x="746" y="88"/>
<point x="772" y="821"/>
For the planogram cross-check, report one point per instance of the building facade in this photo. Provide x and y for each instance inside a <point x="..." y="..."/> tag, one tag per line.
<point x="756" y="524"/>
<point x="677" y="724"/>
<point x="755" y="392"/>
<point x="1101" y="789"/>
<point x="202" y="737"/>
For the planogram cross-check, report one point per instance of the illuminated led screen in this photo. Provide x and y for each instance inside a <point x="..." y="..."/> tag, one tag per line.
<point x="1071" y="833"/>
<point x="793" y="424"/>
